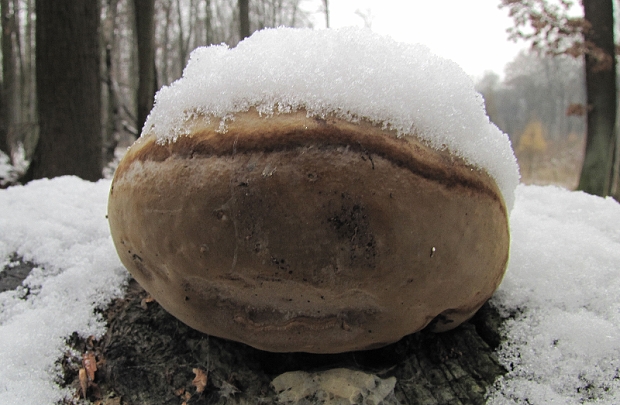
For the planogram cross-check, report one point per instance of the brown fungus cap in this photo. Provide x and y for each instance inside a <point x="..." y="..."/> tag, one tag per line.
<point x="292" y="233"/>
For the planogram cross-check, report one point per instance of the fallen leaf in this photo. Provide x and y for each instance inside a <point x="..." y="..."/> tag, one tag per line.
<point x="91" y="341"/>
<point x="200" y="382"/>
<point x="179" y="392"/>
<point x="83" y="381"/>
<point x="146" y="301"/>
<point x="90" y="365"/>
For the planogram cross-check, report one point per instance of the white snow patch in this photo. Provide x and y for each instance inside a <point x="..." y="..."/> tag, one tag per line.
<point x="350" y="72"/>
<point x="563" y="281"/>
<point x="7" y="171"/>
<point x="61" y="225"/>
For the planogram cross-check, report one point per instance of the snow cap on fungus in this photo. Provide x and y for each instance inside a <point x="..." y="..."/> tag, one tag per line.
<point x="350" y="73"/>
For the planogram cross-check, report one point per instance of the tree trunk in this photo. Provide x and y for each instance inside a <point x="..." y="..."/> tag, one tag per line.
<point x="208" y="23"/>
<point x="326" y="10"/>
<point x="182" y="50"/>
<point x="596" y="174"/>
<point x="145" y="33"/>
<point x="244" y="19"/>
<point x="165" y="44"/>
<point x="29" y="102"/>
<point x="111" y="110"/>
<point x="615" y="183"/>
<point x="9" y="80"/>
<point x="68" y="90"/>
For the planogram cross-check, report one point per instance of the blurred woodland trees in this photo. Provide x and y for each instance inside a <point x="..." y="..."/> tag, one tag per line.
<point x="530" y="104"/>
<point x="140" y="46"/>
<point x="145" y="44"/>
<point x="552" y="30"/>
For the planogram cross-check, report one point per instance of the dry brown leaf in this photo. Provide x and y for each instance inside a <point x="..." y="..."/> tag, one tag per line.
<point x="577" y="110"/>
<point x="83" y="381"/>
<point x="90" y="365"/>
<point x="200" y="382"/>
<point x="146" y="301"/>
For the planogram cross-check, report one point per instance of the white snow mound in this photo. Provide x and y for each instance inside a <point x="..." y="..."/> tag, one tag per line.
<point x="61" y="226"/>
<point x="563" y="284"/>
<point x="352" y="73"/>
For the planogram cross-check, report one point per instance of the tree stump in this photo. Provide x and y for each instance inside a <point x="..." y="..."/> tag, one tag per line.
<point x="149" y="357"/>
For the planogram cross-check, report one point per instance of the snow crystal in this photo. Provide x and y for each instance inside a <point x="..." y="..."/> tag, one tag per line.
<point x="352" y="73"/>
<point x="563" y="286"/>
<point x="59" y="224"/>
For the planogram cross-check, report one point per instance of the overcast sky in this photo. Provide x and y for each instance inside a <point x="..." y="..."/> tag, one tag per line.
<point x="472" y="33"/>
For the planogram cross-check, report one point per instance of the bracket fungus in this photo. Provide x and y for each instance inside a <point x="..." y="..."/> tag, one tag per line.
<point x="278" y="199"/>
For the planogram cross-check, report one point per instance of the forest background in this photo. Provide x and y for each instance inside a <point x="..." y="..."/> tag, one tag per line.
<point x="141" y="45"/>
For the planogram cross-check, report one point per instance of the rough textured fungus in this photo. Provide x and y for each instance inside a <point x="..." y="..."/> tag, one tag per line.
<point x="299" y="234"/>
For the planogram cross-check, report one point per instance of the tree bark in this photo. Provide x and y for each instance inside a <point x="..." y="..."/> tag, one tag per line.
<point x="600" y="67"/>
<point x="615" y="182"/>
<point x="165" y="59"/>
<point x="145" y="33"/>
<point x="326" y="10"/>
<point x="208" y="23"/>
<point x="28" y="94"/>
<point x="244" y="19"/>
<point x="68" y="90"/>
<point x="182" y="52"/>
<point x="9" y="80"/>
<point x="111" y="108"/>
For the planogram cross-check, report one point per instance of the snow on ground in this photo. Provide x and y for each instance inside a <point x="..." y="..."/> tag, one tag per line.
<point x="563" y="284"/>
<point x="59" y="224"/>
<point x="7" y="171"/>
<point x="563" y="347"/>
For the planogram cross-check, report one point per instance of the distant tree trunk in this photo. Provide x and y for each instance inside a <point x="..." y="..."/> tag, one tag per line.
<point x="180" y="39"/>
<point x="244" y="19"/>
<point x="615" y="184"/>
<point x="326" y="10"/>
<point x="165" y="45"/>
<point x="28" y="93"/>
<point x="9" y="79"/>
<point x="112" y="106"/>
<point x="597" y="171"/>
<point x="208" y="23"/>
<point x="145" y="33"/>
<point x="68" y="90"/>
